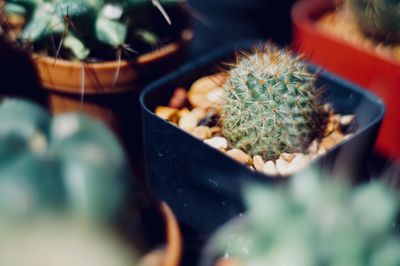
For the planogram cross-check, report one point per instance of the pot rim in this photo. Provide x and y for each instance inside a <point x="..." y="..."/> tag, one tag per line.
<point x="173" y="250"/>
<point x="143" y="59"/>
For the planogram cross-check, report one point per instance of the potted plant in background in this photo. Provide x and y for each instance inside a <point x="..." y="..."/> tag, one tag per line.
<point x="311" y="222"/>
<point x="359" y="41"/>
<point x="70" y="173"/>
<point x="190" y="160"/>
<point x="94" y="56"/>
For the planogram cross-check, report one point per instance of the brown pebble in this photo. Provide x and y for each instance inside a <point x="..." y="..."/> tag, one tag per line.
<point x="179" y="99"/>
<point x="201" y="132"/>
<point x="239" y="156"/>
<point x="332" y="140"/>
<point x="167" y="113"/>
<point x="258" y="163"/>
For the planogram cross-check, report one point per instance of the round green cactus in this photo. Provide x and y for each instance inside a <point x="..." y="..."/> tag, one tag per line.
<point x="271" y="104"/>
<point x="379" y="19"/>
<point x="312" y="223"/>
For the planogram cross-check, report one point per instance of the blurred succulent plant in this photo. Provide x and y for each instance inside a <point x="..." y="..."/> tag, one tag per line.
<point x="70" y="163"/>
<point x="100" y="29"/>
<point x="379" y="19"/>
<point x="312" y="223"/>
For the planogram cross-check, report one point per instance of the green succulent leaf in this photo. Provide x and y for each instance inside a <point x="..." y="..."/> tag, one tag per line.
<point x="77" y="48"/>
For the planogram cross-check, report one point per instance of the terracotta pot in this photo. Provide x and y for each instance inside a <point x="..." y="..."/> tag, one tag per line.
<point x="71" y="84"/>
<point x="363" y="66"/>
<point x="88" y="87"/>
<point x="173" y="250"/>
<point x="170" y="254"/>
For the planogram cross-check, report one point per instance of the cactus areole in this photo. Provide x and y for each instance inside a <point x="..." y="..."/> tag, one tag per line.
<point x="271" y="104"/>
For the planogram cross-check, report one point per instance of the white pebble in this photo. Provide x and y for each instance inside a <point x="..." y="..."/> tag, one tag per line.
<point x="217" y="143"/>
<point x="313" y="148"/>
<point x="298" y="163"/>
<point x="215" y="96"/>
<point x="188" y="121"/>
<point x="282" y="167"/>
<point x="270" y="169"/>
<point x="346" y="120"/>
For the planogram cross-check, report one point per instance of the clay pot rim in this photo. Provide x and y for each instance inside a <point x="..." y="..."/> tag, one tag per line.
<point x="143" y="59"/>
<point x="173" y="249"/>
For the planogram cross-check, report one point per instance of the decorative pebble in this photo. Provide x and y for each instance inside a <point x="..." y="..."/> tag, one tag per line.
<point x="313" y="148"/>
<point x="239" y="156"/>
<point x="321" y="151"/>
<point x="202" y="132"/>
<point x="332" y="140"/>
<point x="183" y="111"/>
<point x="258" y="163"/>
<point x="215" y="96"/>
<point x="199" y="112"/>
<point x="347" y="124"/>
<point x="288" y="157"/>
<point x="178" y="99"/>
<point x="168" y="113"/>
<point x="188" y="121"/>
<point x="347" y="120"/>
<point x="217" y="143"/>
<point x="332" y="125"/>
<point x="270" y="168"/>
<point x="282" y="167"/>
<point x="199" y="90"/>
<point x="298" y="163"/>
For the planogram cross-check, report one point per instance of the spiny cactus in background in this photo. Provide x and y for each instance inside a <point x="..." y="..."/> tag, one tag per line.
<point x="71" y="163"/>
<point x="271" y="104"/>
<point x="379" y="19"/>
<point x="312" y="223"/>
<point x="101" y="29"/>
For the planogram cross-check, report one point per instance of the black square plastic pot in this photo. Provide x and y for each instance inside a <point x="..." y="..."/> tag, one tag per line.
<point x="203" y="185"/>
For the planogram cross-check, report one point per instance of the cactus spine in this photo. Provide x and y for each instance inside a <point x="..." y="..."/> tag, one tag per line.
<point x="271" y="104"/>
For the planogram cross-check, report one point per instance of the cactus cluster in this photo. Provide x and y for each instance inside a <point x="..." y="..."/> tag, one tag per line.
<point x="271" y="104"/>
<point x="96" y="29"/>
<point x="313" y="223"/>
<point x="379" y="19"/>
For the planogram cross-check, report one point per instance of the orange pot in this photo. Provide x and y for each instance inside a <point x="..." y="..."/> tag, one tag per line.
<point x="174" y="241"/>
<point x="78" y="86"/>
<point x="92" y="88"/>
<point x="170" y="255"/>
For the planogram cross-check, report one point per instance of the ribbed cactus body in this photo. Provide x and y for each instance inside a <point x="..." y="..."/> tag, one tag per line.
<point x="271" y="104"/>
<point x="378" y="18"/>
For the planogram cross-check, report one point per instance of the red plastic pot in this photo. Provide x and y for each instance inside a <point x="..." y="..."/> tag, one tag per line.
<point x="362" y="66"/>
